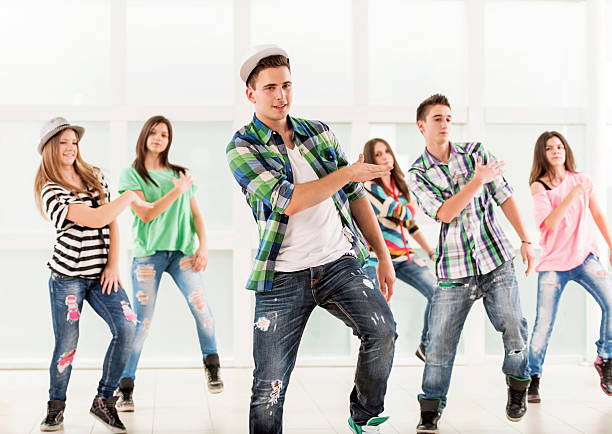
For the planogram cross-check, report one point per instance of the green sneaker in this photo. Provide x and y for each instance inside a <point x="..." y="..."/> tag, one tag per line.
<point x="372" y="426"/>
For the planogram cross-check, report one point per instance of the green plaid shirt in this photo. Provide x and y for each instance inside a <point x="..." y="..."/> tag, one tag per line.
<point x="258" y="160"/>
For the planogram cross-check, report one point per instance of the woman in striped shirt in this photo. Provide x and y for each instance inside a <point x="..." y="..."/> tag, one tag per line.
<point x="390" y="200"/>
<point x="85" y="266"/>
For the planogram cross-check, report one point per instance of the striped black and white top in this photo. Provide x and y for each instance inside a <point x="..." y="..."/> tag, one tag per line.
<point x="79" y="250"/>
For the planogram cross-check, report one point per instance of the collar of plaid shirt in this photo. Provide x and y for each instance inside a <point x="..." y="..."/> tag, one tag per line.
<point x="259" y="162"/>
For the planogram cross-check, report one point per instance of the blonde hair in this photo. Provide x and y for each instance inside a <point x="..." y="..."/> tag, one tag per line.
<point x="49" y="171"/>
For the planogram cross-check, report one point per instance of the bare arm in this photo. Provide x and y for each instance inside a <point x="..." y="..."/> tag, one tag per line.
<point x="110" y="276"/>
<point x="105" y="214"/>
<point x="200" y="260"/>
<point x="601" y="223"/>
<point x="457" y="203"/>
<point x="511" y="212"/>
<point x="556" y="215"/>
<point x="311" y="193"/>
<point x="368" y="225"/>
<point x="146" y="214"/>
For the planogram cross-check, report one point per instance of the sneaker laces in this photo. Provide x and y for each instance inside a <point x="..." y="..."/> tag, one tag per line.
<point x="52" y="413"/>
<point x="109" y="407"/>
<point x="516" y="397"/>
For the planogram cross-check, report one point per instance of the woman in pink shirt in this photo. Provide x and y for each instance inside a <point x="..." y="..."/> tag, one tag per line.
<point x="563" y="200"/>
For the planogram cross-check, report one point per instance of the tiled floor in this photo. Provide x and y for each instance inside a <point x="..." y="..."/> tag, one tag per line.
<point x="174" y="401"/>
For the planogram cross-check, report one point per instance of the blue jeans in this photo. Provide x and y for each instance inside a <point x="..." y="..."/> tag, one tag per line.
<point x="592" y="276"/>
<point x="415" y="273"/>
<point x="146" y="275"/>
<point x="342" y="288"/>
<point x="67" y="295"/>
<point x="450" y="306"/>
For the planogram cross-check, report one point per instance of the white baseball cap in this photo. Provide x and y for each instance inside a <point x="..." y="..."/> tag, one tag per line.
<point x="257" y="53"/>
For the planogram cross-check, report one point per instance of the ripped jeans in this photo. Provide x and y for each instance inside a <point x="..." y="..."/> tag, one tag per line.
<point x="67" y="295"/>
<point x="590" y="275"/>
<point x="450" y="306"/>
<point x="342" y="288"/>
<point x="146" y="275"/>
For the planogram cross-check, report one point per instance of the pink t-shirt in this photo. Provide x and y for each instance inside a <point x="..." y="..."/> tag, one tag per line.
<point x="574" y="238"/>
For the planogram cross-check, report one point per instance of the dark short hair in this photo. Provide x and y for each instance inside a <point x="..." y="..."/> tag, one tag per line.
<point x="275" y="61"/>
<point x="436" y="99"/>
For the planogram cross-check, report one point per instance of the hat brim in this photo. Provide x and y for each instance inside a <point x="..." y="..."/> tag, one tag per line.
<point x="80" y="131"/>
<point x="250" y="63"/>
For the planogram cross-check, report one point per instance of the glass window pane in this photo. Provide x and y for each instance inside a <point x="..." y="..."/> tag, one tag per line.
<point x="321" y="72"/>
<point x="403" y="66"/>
<point x="55" y="52"/>
<point x="201" y="148"/>
<point x="180" y="53"/>
<point x="547" y="53"/>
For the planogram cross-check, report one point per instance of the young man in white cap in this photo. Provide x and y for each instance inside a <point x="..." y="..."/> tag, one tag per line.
<point x="311" y="210"/>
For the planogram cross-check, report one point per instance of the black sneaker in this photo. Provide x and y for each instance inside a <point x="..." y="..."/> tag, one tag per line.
<point x="54" y="421"/>
<point x="428" y="424"/>
<point x="517" y="394"/>
<point x="105" y="412"/>
<point x="420" y="352"/>
<point x="124" y="394"/>
<point x="604" y="368"/>
<point x="212" y="367"/>
<point x="533" y="393"/>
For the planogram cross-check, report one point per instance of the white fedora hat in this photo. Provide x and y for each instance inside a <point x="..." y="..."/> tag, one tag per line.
<point x="54" y="126"/>
<point x="257" y="53"/>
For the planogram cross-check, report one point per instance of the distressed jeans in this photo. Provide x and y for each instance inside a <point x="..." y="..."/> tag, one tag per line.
<point x="415" y="273"/>
<point x="590" y="275"/>
<point x="451" y="303"/>
<point x="67" y="295"/>
<point x="146" y="275"/>
<point x="343" y="289"/>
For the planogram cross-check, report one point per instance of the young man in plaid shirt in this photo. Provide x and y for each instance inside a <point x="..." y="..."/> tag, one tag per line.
<point x="311" y="210"/>
<point x="458" y="184"/>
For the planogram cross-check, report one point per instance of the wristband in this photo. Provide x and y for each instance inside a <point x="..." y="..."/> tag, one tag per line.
<point x="525" y="242"/>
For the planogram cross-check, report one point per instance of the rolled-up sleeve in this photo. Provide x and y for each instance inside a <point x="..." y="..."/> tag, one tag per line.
<point x="257" y="177"/>
<point x="499" y="188"/>
<point x="429" y="197"/>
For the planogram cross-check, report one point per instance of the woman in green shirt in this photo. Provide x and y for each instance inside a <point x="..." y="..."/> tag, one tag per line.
<point x="164" y="240"/>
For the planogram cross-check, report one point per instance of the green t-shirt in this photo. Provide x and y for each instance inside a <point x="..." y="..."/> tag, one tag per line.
<point x="173" y="229"/>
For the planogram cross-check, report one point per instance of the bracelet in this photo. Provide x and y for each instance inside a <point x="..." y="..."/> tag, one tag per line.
<point x="526" y="242"/>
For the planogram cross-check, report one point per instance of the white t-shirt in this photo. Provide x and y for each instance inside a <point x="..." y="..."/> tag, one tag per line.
<point x="314" y="236"/>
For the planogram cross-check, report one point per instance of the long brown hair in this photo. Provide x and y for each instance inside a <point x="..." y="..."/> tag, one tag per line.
<point x="49" y="170"/>
<point x="141" y="149"/>
<point x="541" y="166"/>
<point x="396" y="172"/>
